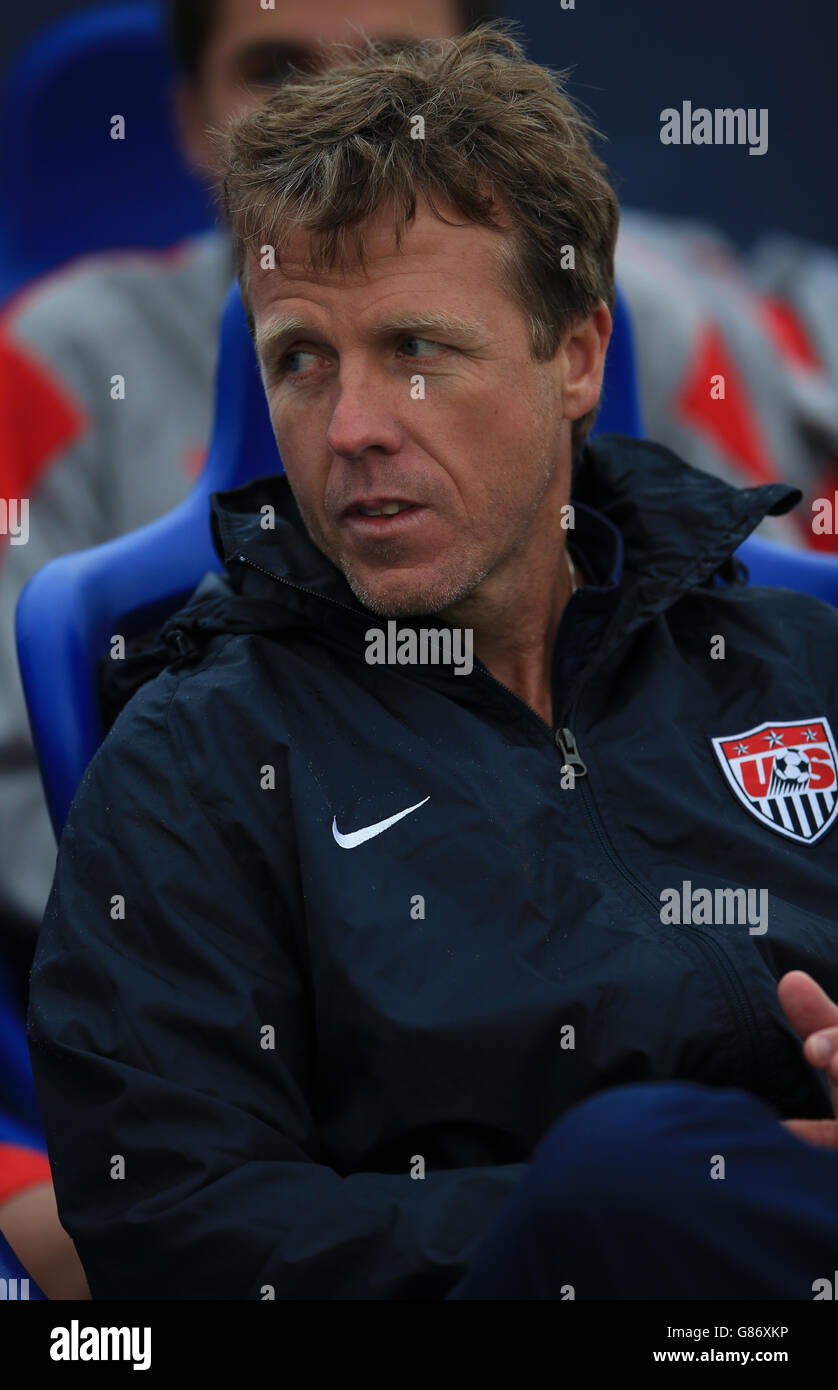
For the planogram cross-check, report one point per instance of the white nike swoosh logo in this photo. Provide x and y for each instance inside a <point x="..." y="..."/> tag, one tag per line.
<point x="357" y="837"/>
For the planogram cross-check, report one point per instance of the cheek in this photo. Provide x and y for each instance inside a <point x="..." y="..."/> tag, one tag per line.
<point x="296" y="435"/>
<point x="304" y="465"/>
<point x="517" y="450"/>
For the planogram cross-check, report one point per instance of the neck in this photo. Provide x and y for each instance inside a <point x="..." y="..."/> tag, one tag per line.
<point x="515" y="621"/>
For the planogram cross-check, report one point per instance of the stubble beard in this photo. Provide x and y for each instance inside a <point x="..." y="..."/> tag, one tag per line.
<point x="439" y="592"/>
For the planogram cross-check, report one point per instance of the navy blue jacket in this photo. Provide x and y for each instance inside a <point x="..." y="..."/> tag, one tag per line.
<point x="271" y="1063"/>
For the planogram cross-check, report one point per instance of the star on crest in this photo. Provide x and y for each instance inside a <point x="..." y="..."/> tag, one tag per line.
<point x="773" y="738"/>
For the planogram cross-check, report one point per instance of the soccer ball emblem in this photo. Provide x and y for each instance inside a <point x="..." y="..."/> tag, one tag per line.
<point x="791" y="771"/>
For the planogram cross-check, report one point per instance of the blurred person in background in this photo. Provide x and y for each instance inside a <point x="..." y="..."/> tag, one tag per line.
<point x="737" y="356"/>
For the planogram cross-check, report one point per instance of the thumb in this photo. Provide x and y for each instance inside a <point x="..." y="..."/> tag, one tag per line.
<point x="807" y="1007"/>
<point x="824" y="1133"/>
<point x="810" y="1010"/>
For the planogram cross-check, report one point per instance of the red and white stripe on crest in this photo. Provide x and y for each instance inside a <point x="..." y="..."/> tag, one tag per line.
<point x="785" y="773"/>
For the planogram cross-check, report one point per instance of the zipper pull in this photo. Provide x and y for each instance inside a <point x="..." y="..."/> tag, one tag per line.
<point x="566" y="744"/>
<point x="183" y="644"/>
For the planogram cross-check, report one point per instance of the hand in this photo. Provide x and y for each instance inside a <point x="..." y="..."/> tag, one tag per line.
<point x="813" y="1016"/>
<point x="29" y="1221"/>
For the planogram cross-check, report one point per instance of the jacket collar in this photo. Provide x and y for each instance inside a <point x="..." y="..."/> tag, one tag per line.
<point x="677" y="527"/>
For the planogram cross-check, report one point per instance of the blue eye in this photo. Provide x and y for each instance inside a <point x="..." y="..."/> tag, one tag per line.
<point x="302" y="361"/>
<point x="287" y="361"/>
<point x="426" y="342"/>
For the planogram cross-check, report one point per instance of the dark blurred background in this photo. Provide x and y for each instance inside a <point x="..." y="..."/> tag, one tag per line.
<point x="633" y="59"/>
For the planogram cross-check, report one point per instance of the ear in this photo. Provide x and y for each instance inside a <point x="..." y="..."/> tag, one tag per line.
<point x="190" y="119"/>
<point x="583" y="361"/>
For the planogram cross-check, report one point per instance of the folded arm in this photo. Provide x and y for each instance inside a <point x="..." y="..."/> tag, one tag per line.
<point x="184" y="1148"/>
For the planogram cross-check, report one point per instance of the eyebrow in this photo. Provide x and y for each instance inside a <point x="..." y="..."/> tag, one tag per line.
<point x="271" y="339"/>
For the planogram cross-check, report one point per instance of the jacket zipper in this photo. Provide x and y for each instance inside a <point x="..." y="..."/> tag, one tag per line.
<point x="280" y="579"/>
<point x="717" y="957"/>
<point x="564" y="739"/>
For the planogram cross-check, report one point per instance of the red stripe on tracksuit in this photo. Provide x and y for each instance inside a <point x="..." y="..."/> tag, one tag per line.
<point x="38" y="419"/>
<point x="21" y="1167"/>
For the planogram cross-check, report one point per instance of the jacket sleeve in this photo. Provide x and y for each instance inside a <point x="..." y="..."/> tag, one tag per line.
<point x="184" y="1151"/>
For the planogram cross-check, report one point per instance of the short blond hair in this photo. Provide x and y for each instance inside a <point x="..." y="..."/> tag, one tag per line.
<point x="328" y="150"/>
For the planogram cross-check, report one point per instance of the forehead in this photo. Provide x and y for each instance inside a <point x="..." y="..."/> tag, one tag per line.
<point x="435" y="258"/>
<point x="243" y="21"/>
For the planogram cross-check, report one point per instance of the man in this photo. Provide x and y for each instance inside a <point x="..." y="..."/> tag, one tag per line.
<point x="345" y="935"/>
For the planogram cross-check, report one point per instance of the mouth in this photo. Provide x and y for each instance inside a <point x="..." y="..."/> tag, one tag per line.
<point x="379" y="516"/>
<point x="377" y="506"/>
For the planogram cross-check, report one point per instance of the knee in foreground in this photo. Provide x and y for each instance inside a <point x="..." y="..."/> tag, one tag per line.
<point x="616" y="1141"/>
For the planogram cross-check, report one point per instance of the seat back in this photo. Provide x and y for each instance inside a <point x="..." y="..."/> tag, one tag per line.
<point x="20" y="1123"/>
<point x="780" y="566"/>
<point x="69" y="188"/>
<point x="619" y="408"/>
<point x="70" y="609"/>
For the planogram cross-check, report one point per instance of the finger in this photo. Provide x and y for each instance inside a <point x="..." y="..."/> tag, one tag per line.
<point x="829" y="1064"/>
<point x="807" y="1007"/>
<point x="821" y="1132"/>
<point x="821" y="1049"/>
<point x="832" y="1068"/>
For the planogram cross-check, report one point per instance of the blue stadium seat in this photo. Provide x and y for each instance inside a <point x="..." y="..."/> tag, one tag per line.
<point x="20" y="1122"/>
<point x="807" y="571"/>
<point x="68" y="188"/>
<point x="70" y="608"/>
<point x="619" y="408"/>
<point x="19" y="1119"/>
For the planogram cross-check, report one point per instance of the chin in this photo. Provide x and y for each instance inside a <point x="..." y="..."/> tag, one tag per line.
<point x="397" y="597"/>
<point x="401" y="605"/>
<point x="396" y="600"/>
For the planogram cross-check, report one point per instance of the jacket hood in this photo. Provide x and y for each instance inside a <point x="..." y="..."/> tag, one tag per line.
<point x="679" y="526"/>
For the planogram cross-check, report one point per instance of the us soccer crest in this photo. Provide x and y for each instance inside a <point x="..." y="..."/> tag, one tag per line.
<point x="786" y="775"/>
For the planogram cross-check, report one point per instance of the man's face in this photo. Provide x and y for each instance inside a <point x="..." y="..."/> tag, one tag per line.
<point x="251" y="49"/>
<point x="378" y="399"/>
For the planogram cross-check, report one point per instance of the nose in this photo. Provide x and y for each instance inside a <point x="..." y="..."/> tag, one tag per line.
<point x="363" y="417"/>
